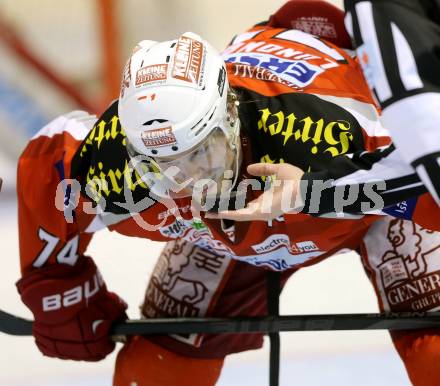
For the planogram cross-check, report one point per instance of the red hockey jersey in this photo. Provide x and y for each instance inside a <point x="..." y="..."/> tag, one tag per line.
<point x="302" y="101"/>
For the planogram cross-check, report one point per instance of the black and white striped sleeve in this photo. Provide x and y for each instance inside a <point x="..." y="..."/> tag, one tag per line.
<point x="365" y="182"/>
<point x="398" y="47"/>
<point x="397" y="43"/>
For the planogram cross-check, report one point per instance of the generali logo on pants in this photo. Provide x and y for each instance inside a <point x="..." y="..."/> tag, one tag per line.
<point x="188" y="60"/>
<point x="409" y="270"/>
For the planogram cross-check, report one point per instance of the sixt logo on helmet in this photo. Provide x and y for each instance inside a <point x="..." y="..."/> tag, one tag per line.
<point x="158" y="137"/>
<point x="153" y="73"/>
<point x="188" y="60"/>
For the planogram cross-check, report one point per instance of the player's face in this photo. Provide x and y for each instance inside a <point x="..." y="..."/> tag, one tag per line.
<point x="208" y="161"/>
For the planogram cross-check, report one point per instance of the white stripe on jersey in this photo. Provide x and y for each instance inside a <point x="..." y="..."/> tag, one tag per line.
<point x="76" y="123"/>
<point x="245" y="36"/>
<point x="387" y="168"/>
<point x="348" y="22"/>
<point x="421" y="171"/>
<point x="95" y="225"/>
<point x="309" y="40"/>
<point x="364" y="12"/>
<point x="414" y="124"/>
<point x="365" y="113"/>
<point x="407" y="65"/>
<point x="406" y="187"/>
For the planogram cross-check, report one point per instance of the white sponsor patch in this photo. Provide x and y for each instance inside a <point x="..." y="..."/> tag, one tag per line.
<point x="185" y="283"/>
<point x="272" y="242"/>
<point x="158" y="137"/>
<point x="188" y="61"/>
<point x="404" y="258"/>
<point x="149" y="74"/>
<point x="278" y="253"/>
<point x="305" y="246"/>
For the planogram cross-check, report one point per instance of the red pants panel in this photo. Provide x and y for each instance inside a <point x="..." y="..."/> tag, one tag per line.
<point x="142" y="363"/>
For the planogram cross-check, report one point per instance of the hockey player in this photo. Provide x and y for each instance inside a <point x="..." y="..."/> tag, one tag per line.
<point x="283" y="96"/>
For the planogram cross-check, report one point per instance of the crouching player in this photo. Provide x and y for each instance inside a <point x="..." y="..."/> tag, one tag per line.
<point x="185" y="115"/>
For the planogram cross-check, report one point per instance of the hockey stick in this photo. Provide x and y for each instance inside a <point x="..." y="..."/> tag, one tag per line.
<point x="14" y="325"/>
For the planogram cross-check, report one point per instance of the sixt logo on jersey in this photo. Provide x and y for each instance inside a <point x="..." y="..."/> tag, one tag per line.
<point x="299" y="72"/>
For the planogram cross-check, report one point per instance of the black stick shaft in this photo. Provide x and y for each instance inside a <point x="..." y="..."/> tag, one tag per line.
<point x="273" y="286"/>
<point x="281" y="323"/>
<point x="14" y="325"/>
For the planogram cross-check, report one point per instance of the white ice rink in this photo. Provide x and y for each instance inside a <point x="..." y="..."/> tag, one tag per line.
<point x="337" y="285"/>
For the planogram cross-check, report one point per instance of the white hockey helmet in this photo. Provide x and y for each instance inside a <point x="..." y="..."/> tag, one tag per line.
<point x="173" y="94"/>
<point x="173" y="98"/>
